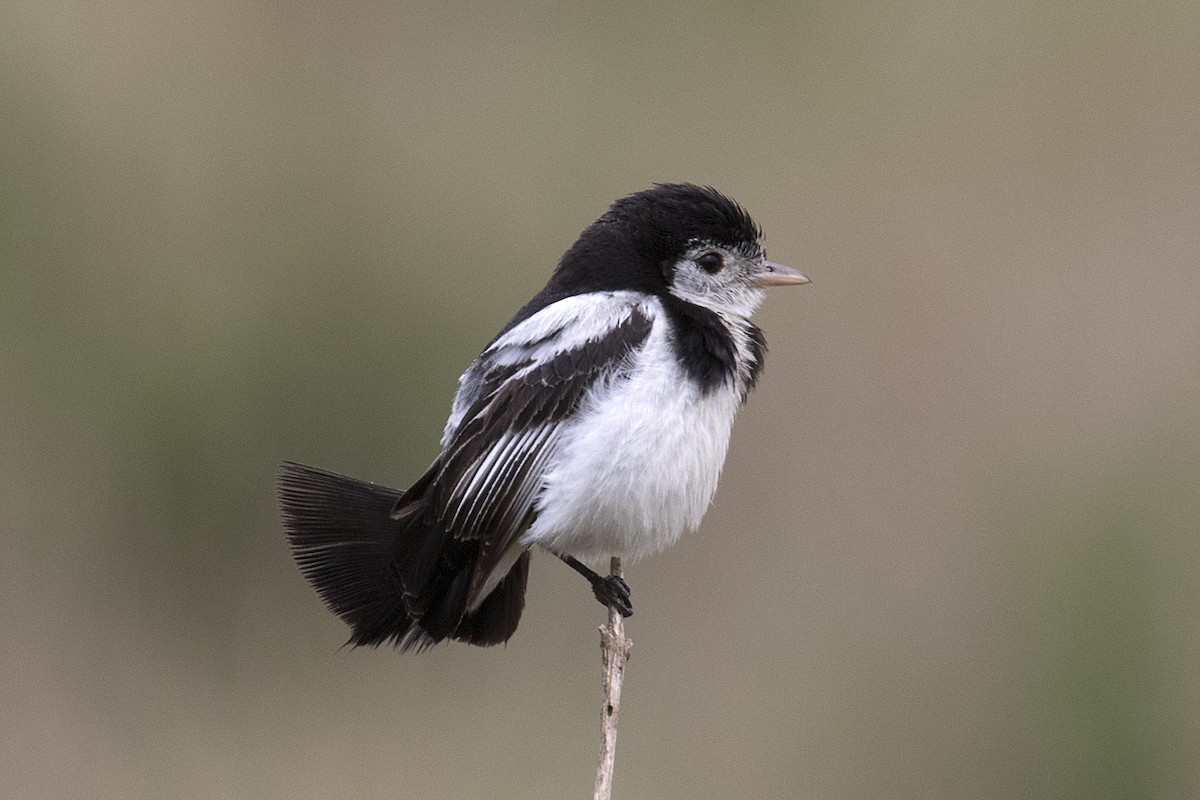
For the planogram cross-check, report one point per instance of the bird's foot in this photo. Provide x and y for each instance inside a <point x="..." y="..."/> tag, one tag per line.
<point x="613" y="592"/>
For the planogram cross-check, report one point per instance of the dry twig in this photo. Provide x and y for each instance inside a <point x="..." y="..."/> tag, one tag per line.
<point x="614" y="650"/>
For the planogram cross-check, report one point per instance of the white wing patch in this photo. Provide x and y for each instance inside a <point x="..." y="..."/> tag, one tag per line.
<point x="566" y="325"/>
<point x="513" y="405"/>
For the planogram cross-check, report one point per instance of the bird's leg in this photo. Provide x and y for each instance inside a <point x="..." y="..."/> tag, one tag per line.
<point x="612" y="591"/>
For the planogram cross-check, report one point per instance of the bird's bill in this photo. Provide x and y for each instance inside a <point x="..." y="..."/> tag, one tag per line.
<point x="778" y="275"/>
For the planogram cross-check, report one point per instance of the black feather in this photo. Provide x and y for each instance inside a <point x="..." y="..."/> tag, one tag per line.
<point x="346" y="542"/>
<point x="342" y="537"/>
<point x="636" y="242"/>
<point x="703" y="343"/>
<point x="517" y="399"/>
<point x="758" y="356"/>
<point x="496" y="618"/>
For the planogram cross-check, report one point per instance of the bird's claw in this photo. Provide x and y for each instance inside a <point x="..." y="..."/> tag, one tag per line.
<point x="613" y="592"/>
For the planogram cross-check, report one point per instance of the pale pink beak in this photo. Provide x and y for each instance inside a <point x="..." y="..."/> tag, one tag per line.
<point x="778" y="275"/>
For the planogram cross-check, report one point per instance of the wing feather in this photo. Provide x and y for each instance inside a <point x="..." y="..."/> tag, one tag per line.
<point x="524" y="387"/>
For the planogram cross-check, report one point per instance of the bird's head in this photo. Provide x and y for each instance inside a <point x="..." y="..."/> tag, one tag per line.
<point x="680" y="239"/>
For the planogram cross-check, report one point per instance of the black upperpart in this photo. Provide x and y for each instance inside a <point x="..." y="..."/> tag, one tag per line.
<point x="631" y="246"/>
<point x="662" y="222"/>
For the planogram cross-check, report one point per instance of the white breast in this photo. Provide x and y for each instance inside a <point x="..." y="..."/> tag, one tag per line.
<point x="640" y="466"/>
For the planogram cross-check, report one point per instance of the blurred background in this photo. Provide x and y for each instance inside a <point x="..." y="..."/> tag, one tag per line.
<point x="954" y="552"/>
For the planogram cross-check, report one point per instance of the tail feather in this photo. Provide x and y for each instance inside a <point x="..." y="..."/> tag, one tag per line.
<point x="497" y="616"/>
<point x="385" y="566"/>
<point x="343" y="538"/>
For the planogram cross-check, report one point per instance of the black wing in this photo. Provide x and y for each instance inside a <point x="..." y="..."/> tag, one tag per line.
<point x="483" y="488"/>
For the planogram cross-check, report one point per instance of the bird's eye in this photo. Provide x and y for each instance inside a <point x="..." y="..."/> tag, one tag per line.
<point x="711" y="262"/>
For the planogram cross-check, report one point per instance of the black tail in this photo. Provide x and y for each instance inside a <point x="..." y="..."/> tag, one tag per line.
<point x="392" y="577"/>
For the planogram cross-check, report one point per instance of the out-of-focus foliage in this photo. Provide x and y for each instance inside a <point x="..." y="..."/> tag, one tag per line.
<point x="954" y="552"/>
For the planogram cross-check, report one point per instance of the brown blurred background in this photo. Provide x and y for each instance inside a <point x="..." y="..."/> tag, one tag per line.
<point x="954" y="552"/>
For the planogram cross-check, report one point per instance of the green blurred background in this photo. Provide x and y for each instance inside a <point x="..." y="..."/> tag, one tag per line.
<point x="954" y="552"/>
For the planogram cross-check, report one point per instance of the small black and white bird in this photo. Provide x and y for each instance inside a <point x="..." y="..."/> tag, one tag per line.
<point x="595" y="424"/>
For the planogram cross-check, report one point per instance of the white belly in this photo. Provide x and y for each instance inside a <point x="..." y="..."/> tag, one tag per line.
<point x="641" y="465"/>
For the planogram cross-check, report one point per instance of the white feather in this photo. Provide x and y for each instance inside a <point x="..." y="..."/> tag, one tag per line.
<point x="635" y="467"/>
<point x="639" y="464"/>
<point x="564" y="325"/>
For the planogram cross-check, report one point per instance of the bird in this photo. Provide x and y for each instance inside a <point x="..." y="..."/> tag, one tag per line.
<point x="595" y="424"/>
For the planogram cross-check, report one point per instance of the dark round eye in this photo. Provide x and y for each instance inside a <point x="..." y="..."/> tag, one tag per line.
<point x="711" y="262"/>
